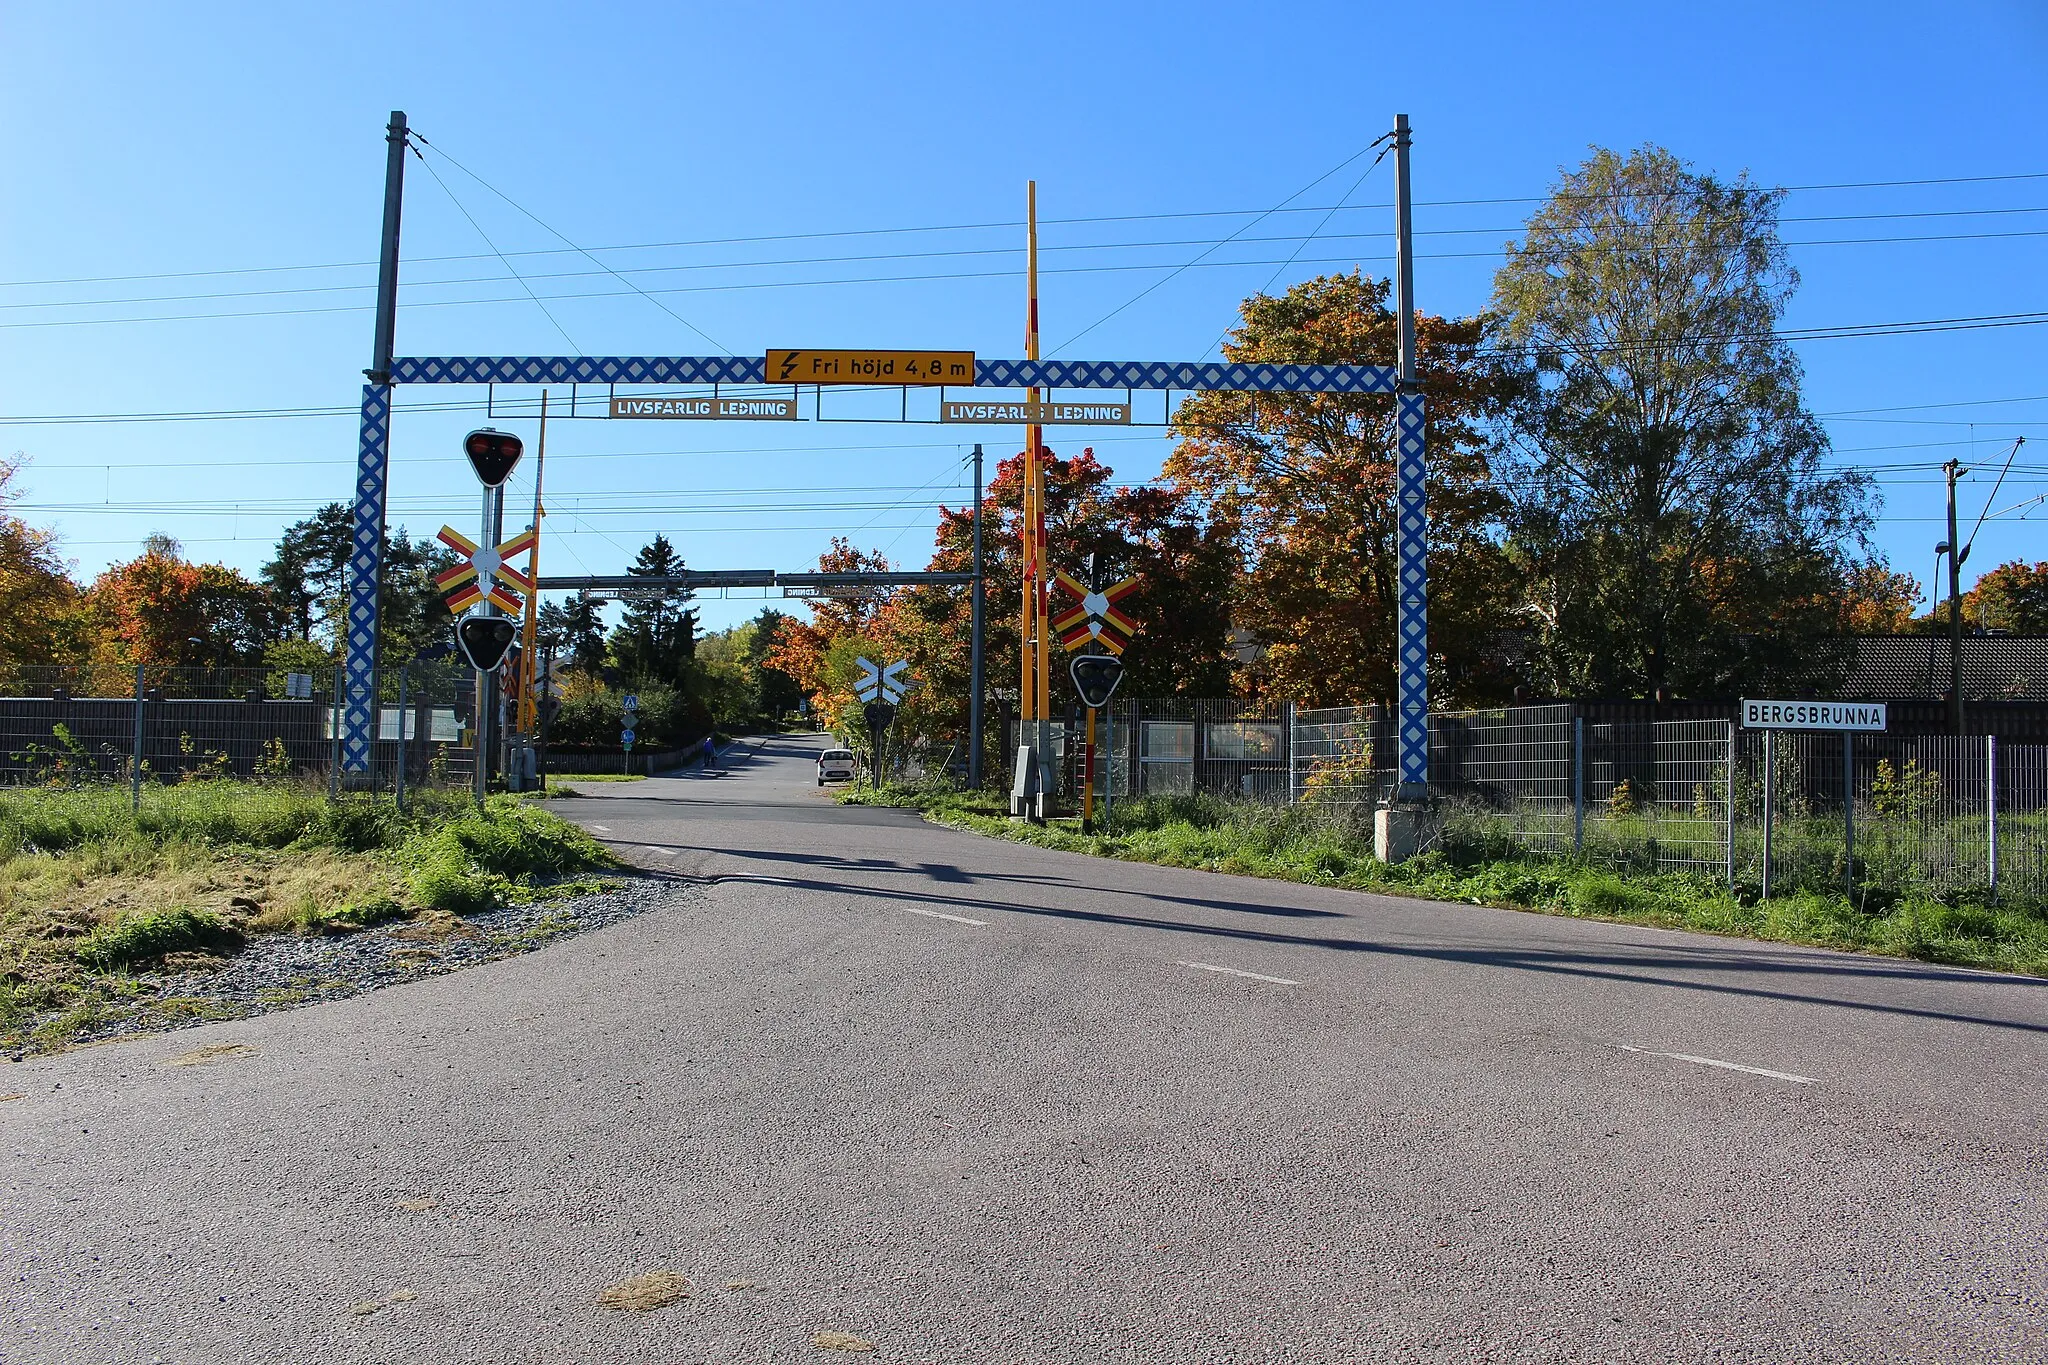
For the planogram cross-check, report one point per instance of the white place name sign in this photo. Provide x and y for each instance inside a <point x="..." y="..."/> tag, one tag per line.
<point x="1813" y="715"/>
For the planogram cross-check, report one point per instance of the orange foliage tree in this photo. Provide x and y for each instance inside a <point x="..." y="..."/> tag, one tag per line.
<point x="2012" y="597"/>
<point x="1306" y="484"/>
<point x="1183" y="564"/>
<point x="37" y="596"/>
<point x="151" y="609"/>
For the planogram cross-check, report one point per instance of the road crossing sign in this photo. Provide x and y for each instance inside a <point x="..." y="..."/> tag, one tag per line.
<point x="878" y="683"/>
<point x="484" y="573"/>
<point x="1095" y="615"/>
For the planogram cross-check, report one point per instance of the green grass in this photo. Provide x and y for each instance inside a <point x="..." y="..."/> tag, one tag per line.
<point x="92" y="891"/>
<point x="1326" y="846"/>
<point x="597" y="777"/>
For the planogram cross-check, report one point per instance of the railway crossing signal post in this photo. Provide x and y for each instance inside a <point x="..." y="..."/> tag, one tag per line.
<point x="1045" y="377"/>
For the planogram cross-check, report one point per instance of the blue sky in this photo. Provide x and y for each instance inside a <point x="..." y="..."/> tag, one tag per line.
<point x="815" y="145"/>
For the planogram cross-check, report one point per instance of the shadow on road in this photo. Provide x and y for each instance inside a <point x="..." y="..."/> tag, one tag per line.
<point x="1650" y="969"/>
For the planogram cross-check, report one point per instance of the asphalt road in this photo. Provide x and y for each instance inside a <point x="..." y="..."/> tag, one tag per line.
<point x="975" y="1101"/>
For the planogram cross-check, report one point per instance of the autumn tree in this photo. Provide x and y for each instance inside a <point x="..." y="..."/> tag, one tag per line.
<point x="2012" y="598"/>
<point x="1875" y="600"/>
<point x="1183" y="564"/>
<point x="1671" y="498"/>
<point x="37" y="596"/>
<point x="1306" y="484"/>
<point x="802" y="648"/>
<point x="161" y="609"/>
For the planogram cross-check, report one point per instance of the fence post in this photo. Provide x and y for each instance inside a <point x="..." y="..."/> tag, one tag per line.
<point x="398" y="778"/>
<point x="1770" y="781"/>
<point x="334" y="724"/>
<point x="1578" y="783"/>
<point x="1849" y="815"/>
<point x="135" y="760"/>
<point x="1991" y="811"/>
<point x="1730" y="765"/>
<point x="1289" y="713"/>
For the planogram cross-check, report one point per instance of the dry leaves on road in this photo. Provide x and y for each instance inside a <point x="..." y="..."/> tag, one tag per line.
<point x="418" y="1205"/>
<point x="841" y="1341"/>
<point x="212" y="1052"/>
<point x="641" y="1293"/>
<point x="369" y="1306"/>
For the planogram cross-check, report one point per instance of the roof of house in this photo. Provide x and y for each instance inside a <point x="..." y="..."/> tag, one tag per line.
<point x="1883" y="667"/>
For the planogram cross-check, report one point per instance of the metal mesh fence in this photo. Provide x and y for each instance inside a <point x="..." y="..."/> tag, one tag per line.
<point x="1892" y="813"/>
<point x="150" y="727"/>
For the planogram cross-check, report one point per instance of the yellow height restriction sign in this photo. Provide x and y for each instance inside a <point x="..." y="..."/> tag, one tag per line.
<point x="870" y="367"/>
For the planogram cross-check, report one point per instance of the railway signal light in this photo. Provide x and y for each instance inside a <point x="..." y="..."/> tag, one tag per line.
<point x="1095" y="677"/>
<point x="485" y="640"/>
<point x="492" y="454"/>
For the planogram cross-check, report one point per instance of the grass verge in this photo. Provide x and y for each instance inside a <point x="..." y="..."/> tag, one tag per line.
<point x="93" y="892"/>
<point x="1322" y="846"/>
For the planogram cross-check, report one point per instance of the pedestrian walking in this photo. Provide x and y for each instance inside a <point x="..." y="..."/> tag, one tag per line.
<point x="710" y="753"/>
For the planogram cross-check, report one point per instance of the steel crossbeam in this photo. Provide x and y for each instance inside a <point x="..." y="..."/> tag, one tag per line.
<point x="1191" y="376"/>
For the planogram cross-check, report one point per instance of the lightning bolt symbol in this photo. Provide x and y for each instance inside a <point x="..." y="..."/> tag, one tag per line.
<point x="788" y="365"/>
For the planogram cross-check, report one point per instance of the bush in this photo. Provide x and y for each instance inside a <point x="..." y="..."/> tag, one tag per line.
<point x="137" y="939"/>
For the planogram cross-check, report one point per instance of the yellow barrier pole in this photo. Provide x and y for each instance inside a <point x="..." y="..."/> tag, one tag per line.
<point x="528" y="668"/>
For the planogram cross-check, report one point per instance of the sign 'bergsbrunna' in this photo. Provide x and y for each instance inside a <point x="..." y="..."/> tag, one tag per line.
<point x="1813" y="715"/>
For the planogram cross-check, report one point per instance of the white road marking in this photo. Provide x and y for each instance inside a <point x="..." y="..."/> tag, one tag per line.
<point x="1232" y="971"/>
<point x="1728" y="1066"/>
<point x="602" y="829"/>
<point x="957" y="919"/>
<point x="657" y="848"/>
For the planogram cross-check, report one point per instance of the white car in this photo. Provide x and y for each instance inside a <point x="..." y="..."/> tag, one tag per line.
<point x="837" y="765"/>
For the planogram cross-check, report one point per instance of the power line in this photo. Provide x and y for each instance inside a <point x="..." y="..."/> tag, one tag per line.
<point x="509" y="269"/>
<point x="928" y="278"/>
<point x="573" y="247"/>
<point x="1008" y="224"/>
<point x="1300" y="239"/>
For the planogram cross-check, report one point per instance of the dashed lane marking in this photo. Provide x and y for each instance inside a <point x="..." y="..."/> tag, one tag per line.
<point x="956" y="919"/>
<point x="1726" y="1066"/>
<point x="1232" y="971"/>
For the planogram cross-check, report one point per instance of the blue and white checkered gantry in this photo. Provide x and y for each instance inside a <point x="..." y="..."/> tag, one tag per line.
<point x="365" y="563"/>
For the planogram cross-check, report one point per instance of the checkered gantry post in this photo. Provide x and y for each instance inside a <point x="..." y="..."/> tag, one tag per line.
<point x="365" y="570"/>
<point x="1412" y="627"/>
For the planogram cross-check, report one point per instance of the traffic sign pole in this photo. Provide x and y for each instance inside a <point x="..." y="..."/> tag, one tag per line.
<point x="1088" y="779"/>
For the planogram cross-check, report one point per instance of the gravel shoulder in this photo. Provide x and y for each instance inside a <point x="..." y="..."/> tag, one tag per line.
<point x="286" y="970"/>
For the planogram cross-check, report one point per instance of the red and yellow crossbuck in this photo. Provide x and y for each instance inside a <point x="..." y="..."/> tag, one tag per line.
<point x="484" y="574"/>
<point x="1094" y="615"/>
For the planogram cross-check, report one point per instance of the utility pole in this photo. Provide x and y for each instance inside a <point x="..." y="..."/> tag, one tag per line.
<point x="387" y="259"/>
<point x="975" y="649"/>
<point x="1404" y="265"/>
<point x="356" y="731"/>
<point x="1956" y="552"/>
